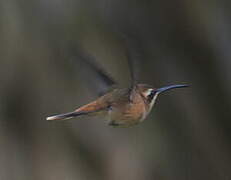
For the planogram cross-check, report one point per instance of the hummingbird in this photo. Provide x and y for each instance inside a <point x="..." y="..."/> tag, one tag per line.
<point x="122" y="107"/>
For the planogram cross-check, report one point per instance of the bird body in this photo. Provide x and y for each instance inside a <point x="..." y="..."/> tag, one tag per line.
<point x="122" y="107"/>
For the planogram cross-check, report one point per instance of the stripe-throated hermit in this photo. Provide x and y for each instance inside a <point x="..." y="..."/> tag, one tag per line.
<point x="123" y="107"/>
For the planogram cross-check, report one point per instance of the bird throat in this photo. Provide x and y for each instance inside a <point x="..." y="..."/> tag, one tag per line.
<point x="152" y="102"/>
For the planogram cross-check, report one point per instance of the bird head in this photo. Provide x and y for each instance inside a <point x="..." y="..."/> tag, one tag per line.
<point x="150" y="93"/>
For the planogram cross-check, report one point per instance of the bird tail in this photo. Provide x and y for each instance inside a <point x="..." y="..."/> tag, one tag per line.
<point x="64" y="116"/>
<point x="90" y="108"/>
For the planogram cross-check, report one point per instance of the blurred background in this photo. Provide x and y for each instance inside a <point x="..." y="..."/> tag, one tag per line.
<point x="186" y="136"/>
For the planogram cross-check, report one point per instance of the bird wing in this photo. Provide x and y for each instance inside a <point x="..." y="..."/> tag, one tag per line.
<point x="134" y="54"/>
<point x="97" y="78"/>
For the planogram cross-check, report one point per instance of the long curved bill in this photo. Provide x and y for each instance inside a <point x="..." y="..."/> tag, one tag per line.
<point x="166" y="88"/>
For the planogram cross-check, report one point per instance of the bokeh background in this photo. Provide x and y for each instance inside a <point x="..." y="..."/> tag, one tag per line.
<point x="186" y="136"/>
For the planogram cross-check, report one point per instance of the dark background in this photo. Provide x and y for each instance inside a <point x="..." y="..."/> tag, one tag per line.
<point x="186" y="136"/>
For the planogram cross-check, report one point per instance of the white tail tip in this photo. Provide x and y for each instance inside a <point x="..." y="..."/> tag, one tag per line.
<point x="51" y="118"/>
<point x="61" y="116"/>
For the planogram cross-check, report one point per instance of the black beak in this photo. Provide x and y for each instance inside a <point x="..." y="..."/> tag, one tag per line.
<point x="160" y="90"/>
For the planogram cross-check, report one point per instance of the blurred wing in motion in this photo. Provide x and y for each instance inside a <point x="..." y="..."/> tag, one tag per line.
<point x="134" y="57"/>
<point x="98" y="79"/>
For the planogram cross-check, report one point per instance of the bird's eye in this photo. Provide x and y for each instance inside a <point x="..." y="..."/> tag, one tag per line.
<point x="151" y="95"/>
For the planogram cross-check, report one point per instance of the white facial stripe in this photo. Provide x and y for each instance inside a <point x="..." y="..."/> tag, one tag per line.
<point x="147" y="92"/>
<point x="153" y="101"/>
<point x="150" y="107"/>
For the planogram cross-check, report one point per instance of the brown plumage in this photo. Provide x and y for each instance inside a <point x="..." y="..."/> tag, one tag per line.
<point x="122" y="107"/>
